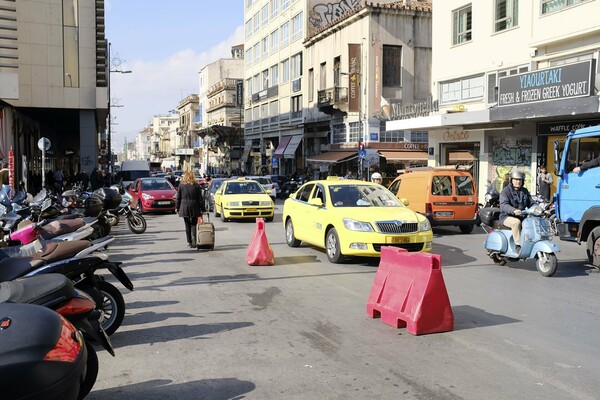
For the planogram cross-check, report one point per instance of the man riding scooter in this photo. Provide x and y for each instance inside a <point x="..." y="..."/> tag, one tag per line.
<point x="514" y="198"/>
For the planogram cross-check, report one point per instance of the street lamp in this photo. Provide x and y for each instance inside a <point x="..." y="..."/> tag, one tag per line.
<point x="108" y="129"/>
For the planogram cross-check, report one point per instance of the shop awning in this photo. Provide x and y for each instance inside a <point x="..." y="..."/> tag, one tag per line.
<point x="290" y="150"/>
<point x="390" y="155"/>
<point x="461" y="156"/>
<point x="247" y="148"/>
<point x="332" y="157"/>
<point x="282" y="145"/>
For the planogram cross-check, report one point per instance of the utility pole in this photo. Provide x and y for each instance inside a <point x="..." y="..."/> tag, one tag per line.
<point x="109" y="123"/>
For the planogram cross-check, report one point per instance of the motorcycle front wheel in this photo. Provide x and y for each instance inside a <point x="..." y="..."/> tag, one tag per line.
<point x="113" y="219"/>
<point x="136" y="223"/>
<point x="113" y="306"/>
<point x="546" y="263"/>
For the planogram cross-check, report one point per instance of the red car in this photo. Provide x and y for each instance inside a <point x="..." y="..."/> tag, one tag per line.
<point x="153" y="194"/>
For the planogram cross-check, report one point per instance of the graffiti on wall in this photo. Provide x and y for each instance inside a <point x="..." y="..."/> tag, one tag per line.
<point x="512" y="151"/>
<point x="508" y="154"/>
<point x="323" y="13"/>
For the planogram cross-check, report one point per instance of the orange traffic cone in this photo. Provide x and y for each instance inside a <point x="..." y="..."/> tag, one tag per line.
<point x="259" y="250"/>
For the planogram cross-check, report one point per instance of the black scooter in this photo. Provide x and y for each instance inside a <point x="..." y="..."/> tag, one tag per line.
<point x="42" y="355"/>
<point x="57" y="292"/>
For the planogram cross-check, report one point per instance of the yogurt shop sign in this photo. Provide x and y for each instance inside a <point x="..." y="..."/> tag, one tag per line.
<point x="563" y="82"/>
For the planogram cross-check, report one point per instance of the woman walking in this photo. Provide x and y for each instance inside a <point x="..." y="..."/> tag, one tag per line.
<point x="189" y="205"/>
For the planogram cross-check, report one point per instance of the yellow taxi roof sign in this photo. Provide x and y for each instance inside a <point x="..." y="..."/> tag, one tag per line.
<point x="333" y="178"/>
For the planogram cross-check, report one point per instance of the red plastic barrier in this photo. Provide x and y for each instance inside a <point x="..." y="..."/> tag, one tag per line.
<point x="259" y="250"/>
<point x="409" y="290"/>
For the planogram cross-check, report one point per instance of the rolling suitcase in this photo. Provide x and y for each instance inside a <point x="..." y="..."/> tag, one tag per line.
<point x="205" y="234"/>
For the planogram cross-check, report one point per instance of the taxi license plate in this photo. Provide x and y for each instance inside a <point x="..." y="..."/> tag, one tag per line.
<point x="164" y="203"/>
<point x="443" y="213"/>
<point x="250" y="209"/>
<point x="397" y="239"/>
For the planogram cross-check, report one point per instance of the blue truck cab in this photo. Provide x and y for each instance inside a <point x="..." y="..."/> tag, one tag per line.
<point x="577" y="197"/>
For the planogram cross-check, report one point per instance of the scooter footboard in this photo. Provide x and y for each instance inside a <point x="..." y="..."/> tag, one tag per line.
<point x="545" y="247"/>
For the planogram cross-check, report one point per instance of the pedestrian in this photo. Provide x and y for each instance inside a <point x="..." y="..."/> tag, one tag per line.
<point x="96" y="179"/>
<point x="58" y="180"/>
<point x="544" y="181"/>
<point x="506" y="180"/>
<point x="189" y="205"/>
<point x="5" y="189"/>
<point x="172" y="179"/>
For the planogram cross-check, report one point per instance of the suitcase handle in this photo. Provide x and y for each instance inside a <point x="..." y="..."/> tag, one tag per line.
<point x="201" y="219"/>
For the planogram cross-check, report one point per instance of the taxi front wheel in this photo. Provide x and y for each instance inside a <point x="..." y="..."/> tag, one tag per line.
<point x="332" y="247"/>
<point x="289" y="234"/>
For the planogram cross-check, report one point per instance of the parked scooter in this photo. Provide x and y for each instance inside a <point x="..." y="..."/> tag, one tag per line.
<point x="135" y="220"/>
<point x="57" y="292"/>
<point x="79" y="261"/>
<point x="42" y="355"/>
<point x="288" y="188"/>
<point x="535" y="243"/>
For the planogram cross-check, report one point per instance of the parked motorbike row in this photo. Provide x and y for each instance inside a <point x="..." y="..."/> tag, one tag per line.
<point x="54" y="305"/>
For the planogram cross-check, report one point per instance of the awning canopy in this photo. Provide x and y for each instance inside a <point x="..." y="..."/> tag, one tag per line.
<point x="290" y="150"/>
<point x="461" y="156"/>
<point x="247" y="148"/>
<point x="332" y="157"/>
<point x="403" y="155"/>
<point x="282" y="145"/>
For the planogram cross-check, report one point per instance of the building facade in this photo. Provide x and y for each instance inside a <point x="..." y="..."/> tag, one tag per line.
<point x="219" y="113"/>
<point x="355" y="67"/>
<point x="319" y="76"/>
<point x="53" y="84"/>
<point x="509" y="78"/>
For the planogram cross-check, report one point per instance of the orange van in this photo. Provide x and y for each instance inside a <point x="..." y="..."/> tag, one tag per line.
<point x="444" y="196"/>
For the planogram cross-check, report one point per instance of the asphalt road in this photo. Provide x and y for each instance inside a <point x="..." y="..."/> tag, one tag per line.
<point x="205" y="325"/>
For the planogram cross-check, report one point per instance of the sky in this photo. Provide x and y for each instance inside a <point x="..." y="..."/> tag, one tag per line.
<point x="164" y="44"/>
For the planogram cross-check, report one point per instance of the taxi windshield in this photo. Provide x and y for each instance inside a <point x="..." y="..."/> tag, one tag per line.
<point x="362" y="196"/>
<point x="244" y="188"/>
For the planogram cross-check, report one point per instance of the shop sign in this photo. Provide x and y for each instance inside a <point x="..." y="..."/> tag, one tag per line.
<point x="354" y="80"/>
<point x="413" y="110"/>
<point x="563" y="82"/>
<point x="564" y="127"/>
<point x="455" y="136"/>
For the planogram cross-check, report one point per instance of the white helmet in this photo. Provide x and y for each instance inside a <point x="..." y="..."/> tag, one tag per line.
<point x="376" y="175"/>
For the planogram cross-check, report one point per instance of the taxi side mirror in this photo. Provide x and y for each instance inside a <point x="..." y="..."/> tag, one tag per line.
<point x="269" y="191"/>
<point x="404" y="201"/>
<point x="315" y="201"/>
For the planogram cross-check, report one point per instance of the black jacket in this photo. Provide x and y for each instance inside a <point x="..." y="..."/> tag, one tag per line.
<point x="511" y="200"/>
<point x="189" y="201"/>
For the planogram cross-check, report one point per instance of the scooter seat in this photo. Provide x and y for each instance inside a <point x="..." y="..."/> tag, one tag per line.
<point x="15" y="267"/>
<point x="40" y="289"/>
<point x="62" y="227"/>
<point x="62" y="250"/>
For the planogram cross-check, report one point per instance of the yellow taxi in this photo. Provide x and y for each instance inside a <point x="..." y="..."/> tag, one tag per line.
<point x="352" y="218"/>
<point x="241" y="199"/>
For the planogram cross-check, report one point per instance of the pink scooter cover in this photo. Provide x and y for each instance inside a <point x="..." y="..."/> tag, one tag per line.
<point x="25" y="235"/>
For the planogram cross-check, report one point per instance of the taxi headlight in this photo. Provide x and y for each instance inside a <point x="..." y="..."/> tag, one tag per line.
<point x="266" y="203"/>
<point x="147" y="196"/>
<point x="354" y="225"/>
<point x="424" y="226"/>
<point x="233" y="204"/>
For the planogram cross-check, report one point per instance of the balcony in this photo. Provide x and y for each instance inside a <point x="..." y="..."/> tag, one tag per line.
<point x="332" y="98"/>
